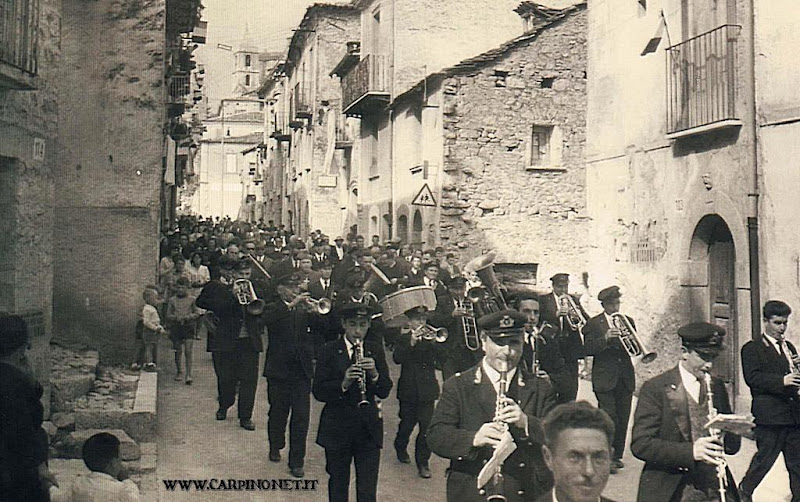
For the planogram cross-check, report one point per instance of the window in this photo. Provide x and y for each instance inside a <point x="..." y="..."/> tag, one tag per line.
<point x="547" y="82"/>
<point x="247" y="80"/>
<point x="247" y="60"/>
<point x="540" y="145"/>
<point x="500" y="78"/>
<point x="230" y="163"/>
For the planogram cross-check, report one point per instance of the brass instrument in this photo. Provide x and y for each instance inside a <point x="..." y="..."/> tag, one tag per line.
<point x="722" y="464"/>
<point x="497" y="478"/>
<point x="358" y="346"/>
<point x="259" y="266"/>
<point x="428" y="332"/>
<point x="247" y="298"/>
<point x="574" y="316"/>
<point x="488" y="297"/>
<point x="322" y="306"/>
<point x="470" y="325"/>
<point x="536" y="368"/>
<point x="630" y="339"/>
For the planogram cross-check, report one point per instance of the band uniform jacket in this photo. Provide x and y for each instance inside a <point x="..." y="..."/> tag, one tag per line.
<point x="612" y="365"/>
<point x="468" y="401"/>
<point x="219" y="299"/>
<point x="317" y="261"/>
<point x="764" y="368"/>
<point x="342" y="418"/>
<point x="291" y="346"/>
<point x="548" y="497"/>
<point x="662" y="436"/>
<point x="570" y="341"/>
<point x="417" y="380"/>
<point x="547" y="351"/>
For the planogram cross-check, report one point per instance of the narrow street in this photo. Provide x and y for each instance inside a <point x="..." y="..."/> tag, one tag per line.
<point x="193" y="445"/>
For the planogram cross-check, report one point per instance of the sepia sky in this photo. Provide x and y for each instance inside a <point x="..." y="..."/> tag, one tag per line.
<point x="266" y="23"/>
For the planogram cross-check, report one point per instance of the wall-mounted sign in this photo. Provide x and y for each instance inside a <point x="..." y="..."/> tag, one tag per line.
<point x="424" y="197"/>
<point x="327" y="181"/>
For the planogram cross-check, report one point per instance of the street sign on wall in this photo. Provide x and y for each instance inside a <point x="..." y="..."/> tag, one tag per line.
<point x="424" y="197"/>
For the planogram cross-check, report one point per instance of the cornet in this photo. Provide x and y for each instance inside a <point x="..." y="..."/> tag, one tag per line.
<point x="574" y="316"/>
<point x="428" y="332"/>
<point x="322" y="306"/>
<point x="630" y="339"/>
<point x="246" y="296"/>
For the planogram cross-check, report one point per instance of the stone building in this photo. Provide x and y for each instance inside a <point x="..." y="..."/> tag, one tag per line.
<point x="402" y="41"/>
<point x="28" y="157"/>
<point x="690" y="148"/>
<point x="499" y="140"/>
<point x="305" y="116"/>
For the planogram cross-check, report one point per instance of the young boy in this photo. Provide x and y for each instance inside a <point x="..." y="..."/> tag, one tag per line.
<point x="151" y="322"/>
<point x="182" y="315"/>
<point x="108" y="479"/>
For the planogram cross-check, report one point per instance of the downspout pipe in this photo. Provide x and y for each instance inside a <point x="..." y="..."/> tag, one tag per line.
<point x="753" y="196"/>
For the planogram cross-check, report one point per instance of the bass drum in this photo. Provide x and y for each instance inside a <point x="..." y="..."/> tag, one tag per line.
<point x="395" y="304"/>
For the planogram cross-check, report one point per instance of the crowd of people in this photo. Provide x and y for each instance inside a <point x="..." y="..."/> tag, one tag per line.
<point x="328" y="313"/>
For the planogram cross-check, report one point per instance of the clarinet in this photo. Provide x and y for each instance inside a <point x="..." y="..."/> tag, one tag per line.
<point x="497" y="479"/>
<point x="358" y="346"/>
<point x="722" y="464"/>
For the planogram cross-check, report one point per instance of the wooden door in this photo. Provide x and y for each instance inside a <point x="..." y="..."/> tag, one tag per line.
<point x="722" y="295"/>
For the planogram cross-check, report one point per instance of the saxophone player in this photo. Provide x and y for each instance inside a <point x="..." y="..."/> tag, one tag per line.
<point x="681" y="457"/>
<point x="472" y="415"/>
<point x="613" y="379"/>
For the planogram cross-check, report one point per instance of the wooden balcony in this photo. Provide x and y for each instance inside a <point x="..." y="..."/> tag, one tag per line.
<point x="19" y="27"/>
<point x="365" y="88"/>
<point x="302" y="100"/>
<point x="701" y="83"/>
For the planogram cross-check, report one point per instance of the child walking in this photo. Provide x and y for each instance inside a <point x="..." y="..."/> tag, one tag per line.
<point x="182" y="315"/>
<point x="151" y="323"/>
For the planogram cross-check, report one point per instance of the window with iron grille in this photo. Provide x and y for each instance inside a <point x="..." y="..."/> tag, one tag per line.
<point x="540" y="145"/>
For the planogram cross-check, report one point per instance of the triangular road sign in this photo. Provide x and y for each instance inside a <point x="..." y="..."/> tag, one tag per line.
<point x="424" y="197"/>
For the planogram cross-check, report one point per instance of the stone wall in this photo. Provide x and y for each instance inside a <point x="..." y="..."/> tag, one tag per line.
<point x="111" y="97"/>
<point x="27" y="192"/>
<point x="493" y="196"/>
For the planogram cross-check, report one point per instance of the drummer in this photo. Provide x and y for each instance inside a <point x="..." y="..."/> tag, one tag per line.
<point x="417" y="352"/>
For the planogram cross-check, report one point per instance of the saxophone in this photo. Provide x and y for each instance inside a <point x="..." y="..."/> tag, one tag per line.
<point x="722" y="464"/>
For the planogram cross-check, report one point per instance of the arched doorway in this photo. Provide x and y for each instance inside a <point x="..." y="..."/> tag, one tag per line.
<point x="713" y="244"/>
<point x="416" y="232"/>
<point x="402" y="228"/>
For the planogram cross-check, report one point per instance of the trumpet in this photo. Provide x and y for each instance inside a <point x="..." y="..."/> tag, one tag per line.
<point x="722" y="464"/>
<point x="358" y="345"/>
<point x="246" y="296"/>
<point x="630" y="339"/>
<point x="574" y="316"/>
<point x="428" y="332"/>
<point x="470" y="325"/>
<point x="322" y="306"/>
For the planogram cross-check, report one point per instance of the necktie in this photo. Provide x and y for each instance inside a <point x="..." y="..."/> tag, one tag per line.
<point x="703" y="397"/>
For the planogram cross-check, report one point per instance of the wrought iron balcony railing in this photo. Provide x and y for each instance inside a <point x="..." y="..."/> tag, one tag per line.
<point x="702" y="81"/>
<point x="19" y="23"/>
<point x="177" y="88"/>
<point x="301" y="99"/>
<point x="366" y="86"/>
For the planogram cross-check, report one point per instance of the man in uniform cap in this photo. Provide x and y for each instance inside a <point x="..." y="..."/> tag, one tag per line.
<point x="350" y="374"/>
<point x="458" y="357"/>
<point x="467" y="422"/>
<point x="570" y="340"/>
<point x="613" y="379"/>
<point x="668" y="426"/>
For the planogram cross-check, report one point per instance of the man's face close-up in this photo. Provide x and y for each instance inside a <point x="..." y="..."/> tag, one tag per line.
<point x="776" y="325"/>
<point x="580" y="460"/>
<point x="503" y="352"/>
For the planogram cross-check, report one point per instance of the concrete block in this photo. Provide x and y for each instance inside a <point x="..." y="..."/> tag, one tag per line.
<point x="50" y="429"/>
<point x="63" y="420"/>
<point x="129" y="449"/>
<point x="66" y="389"/>
<point x="140" y="423"/>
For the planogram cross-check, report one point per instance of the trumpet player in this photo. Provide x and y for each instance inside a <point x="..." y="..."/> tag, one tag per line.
<point x="613" y="379"/>
<point x="288" y="369"/>
<point x="473" y="414"/>
<point x="681" y="456"/>
<point x="555" y="312"/>
<point x="458" y="316"/>
<point x="350" y="374"/>
<point x="236" y="342"/>
<point x="417" y="387"/>
<point x="770" y="366"/>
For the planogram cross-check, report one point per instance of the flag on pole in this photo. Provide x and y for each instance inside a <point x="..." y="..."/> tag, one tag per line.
<point x="655" y="41"/>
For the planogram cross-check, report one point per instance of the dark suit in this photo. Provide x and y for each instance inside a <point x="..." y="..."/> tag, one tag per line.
<point x="317" y="262"/>
<point x="457" y="357"/>
<point x="776" y="410"/>
<point x="662" y="437"/>
<point x="544" y="346"/>
<point x="569" y="342"/>
<point x="323" y="326"/>
<point x="346" y="431"/>
<point x="417" y="391"/>
<point x="23" y="442"/>
<point x="548" y="497"/>
<point x="333" y="254"/>
<point x="289" y="367"/>
<point x="467" y="402"/>
<point x="235" y="358"/>
<point x="613" y="379"/>
<point x="282" y="267"/>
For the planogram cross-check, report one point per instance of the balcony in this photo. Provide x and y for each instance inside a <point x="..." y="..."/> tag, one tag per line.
<point x="365" y="88"/>
<point x="344" y="133"/>
<point x="19" y="25"/>
<point x="280" y="128"/>
<point x="701" y="83"/>
<point x="177" y="89"/>
<point x="299" y="104"/>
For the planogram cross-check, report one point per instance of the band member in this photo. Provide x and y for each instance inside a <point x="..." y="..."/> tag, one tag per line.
<point x="236" y="343"/>
<point x="569" y="339"/>
<point x="417" y="388"/>
<point x="458" y="357"/>
<point x="770" y="364"/>
<point x="469" y="419"/>
<point x="350" y="374"/>
<point x="319" y="256"/>
<point x="288" y="368"/>
<point x="613" y="380"/>
<point x="541" y="352"/>
<point x="577" y="450"/>
<point x="355" y="292"/>
<point x="668" y="425"/>
<point x="322" y="287"/>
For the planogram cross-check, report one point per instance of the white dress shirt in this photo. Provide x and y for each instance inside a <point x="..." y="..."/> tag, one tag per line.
<point x="690" y="383"/>
<point x="97" y="487"/>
